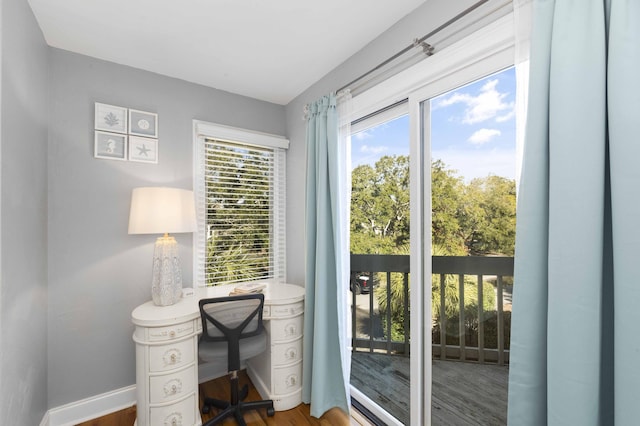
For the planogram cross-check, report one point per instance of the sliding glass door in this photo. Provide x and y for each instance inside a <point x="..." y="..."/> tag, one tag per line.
<point x="431" y="284"/>
<point x="469" y="133"/>
<point x="379" y="282"/>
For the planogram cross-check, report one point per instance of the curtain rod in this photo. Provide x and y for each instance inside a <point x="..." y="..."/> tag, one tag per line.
<point x="426" y="47"/>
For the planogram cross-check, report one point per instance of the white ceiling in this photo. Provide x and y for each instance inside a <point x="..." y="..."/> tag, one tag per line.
<point x="265" y="49"/>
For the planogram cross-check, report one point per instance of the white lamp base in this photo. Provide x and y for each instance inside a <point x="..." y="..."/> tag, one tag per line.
<point x="166" y="283"/>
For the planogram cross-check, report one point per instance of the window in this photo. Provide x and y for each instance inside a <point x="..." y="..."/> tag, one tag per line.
<point x="240" y="201"/>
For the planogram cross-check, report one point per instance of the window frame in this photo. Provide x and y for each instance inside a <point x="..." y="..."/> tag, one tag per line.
<point x="201" y="132"/>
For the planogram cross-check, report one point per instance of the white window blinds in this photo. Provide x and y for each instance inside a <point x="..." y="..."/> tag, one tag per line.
<point x="240" y="195"/>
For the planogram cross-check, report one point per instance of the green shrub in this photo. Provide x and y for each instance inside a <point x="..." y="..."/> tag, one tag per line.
<point x="471" y="329"/>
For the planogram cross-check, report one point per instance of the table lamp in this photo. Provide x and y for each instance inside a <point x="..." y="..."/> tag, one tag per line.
<point x="158" y="210"/>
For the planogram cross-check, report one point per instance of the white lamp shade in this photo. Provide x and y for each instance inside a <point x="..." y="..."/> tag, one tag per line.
<point x="159" y="210"/>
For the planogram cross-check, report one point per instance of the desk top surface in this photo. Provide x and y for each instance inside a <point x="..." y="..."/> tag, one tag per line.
<point x="187" y="308"/>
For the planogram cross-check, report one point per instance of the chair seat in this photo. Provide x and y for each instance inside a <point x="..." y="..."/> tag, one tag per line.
<point x="249" y="347"/>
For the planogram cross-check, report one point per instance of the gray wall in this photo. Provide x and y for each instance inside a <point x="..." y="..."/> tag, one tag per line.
<point x="424" y="19"/>
<point x="23" y="213"/>
<point x="97" y="273"/>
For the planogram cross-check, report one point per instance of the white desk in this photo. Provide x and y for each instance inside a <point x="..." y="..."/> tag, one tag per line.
<point x="167" y="347"/>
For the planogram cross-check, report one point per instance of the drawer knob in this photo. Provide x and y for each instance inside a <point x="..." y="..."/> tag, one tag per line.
<point x="172" y="357"/>
<point x="172" y="387"/>
<point x="292" y="380"/>
<point x="291" y="354"/>
<point x="173" y="419"/>
<point x="290" y="329"/>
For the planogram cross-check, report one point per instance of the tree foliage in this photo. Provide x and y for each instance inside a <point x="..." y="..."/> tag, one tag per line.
<point x="495" y="230"/>
<point x="448" y="210"/>
<point x="238" y="209"/>
<point x="380" y="206"/>
<point x="475" y="218"/>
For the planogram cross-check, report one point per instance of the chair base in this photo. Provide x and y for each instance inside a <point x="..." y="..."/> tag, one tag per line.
<point x="235" y="407"/>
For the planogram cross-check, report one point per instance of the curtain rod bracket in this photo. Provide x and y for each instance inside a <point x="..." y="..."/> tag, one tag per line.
<point x="426" y="47"/>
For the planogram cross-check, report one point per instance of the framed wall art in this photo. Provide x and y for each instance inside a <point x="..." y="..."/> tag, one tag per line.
<point x="143" y="150"/>
<point x="142" y="123"/>
<point x="111" y="146"/>
<point x="110" y="118"/>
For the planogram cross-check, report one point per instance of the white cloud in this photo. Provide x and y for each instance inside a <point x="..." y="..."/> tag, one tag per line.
<point x="482" y="136"/>
<point x="455" y="98"/>
<point x="373" y="149"/>
<point x="487" y="105"/>
<point x="365" y="134"/>
<point x="508" y="116"/>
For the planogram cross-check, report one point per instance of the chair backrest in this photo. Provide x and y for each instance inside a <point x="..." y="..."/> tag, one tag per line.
<point x="231" y="318"/>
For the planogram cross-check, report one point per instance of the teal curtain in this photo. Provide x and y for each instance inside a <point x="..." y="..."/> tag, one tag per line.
<point x="575" y="351"/>
<point x="323" y="367"/>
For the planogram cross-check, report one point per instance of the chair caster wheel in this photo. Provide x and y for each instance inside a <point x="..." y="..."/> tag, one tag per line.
<point x="271" y="412"/>
<point x="206" y="409"/>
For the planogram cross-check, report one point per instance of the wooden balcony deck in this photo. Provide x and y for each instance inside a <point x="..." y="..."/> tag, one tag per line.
<point x="463" y="394"/>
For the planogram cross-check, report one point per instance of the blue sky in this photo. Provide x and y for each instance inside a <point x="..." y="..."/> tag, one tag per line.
<point x="472" y="130"/>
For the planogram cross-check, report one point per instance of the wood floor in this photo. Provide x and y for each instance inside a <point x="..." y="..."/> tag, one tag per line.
<point x="463" y="394"/>
<point x="219" y="389"/>
<point x="299" y="415"/>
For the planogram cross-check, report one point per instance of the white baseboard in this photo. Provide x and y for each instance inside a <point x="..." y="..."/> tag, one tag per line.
<point x="90" y="408"/>
<point x="110" y="402"/>
<point x="45" y="420"/>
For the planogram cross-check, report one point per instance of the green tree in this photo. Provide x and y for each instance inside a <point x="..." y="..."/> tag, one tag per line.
<point x="380" y="206"/>
<point x="396" y="302"/>
<point x="446" y="202"/>
<point x="476" y="218"/>
<point x="495" y="232"/>
<point x="393" y="197"/>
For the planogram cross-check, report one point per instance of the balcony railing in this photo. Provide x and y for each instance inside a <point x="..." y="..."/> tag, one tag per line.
<point x="473" y="333"/>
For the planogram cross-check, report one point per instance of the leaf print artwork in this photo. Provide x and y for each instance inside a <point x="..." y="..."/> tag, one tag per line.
<point x="111" y="120"/>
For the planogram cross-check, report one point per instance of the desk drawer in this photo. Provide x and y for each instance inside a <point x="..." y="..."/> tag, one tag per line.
<point x="284" y="311"/>
<point x="286" y="353"/>
<point x="168" y="387"/>
<point x="171" y="356"/>
<point x="286" y="329"/>
<point x="179" y="414"/>
<point x="159" y="334"/>
<point x="287" y="379"/>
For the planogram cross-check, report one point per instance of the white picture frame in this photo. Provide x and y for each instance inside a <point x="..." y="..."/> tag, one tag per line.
<point x="143" y="123"/>
<point x="143" y="150"/>
<point x="111" y="118"/>
<point x="110" y="146"/>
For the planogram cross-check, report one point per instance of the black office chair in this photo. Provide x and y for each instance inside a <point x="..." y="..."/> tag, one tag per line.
<point x="232" y="329"/>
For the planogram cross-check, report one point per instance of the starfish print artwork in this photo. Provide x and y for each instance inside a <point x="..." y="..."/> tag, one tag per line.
<point x="143" y="150"/>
